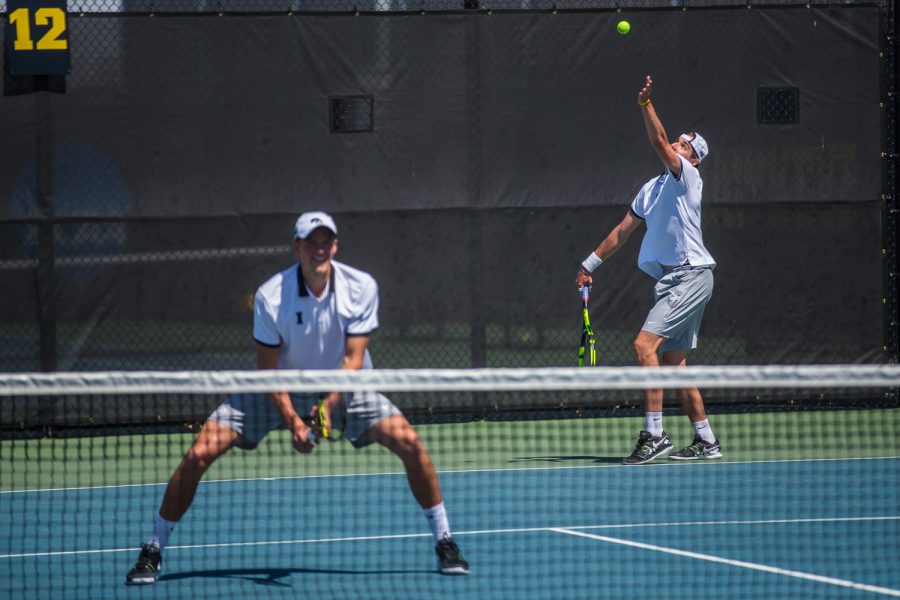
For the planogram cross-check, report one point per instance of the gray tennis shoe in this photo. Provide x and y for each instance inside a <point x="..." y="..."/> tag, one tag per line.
<point x="699" y="450"/>
<point x="649" y="447"/>
<point x="147" y="568"/>
<point x="449" y="558"/>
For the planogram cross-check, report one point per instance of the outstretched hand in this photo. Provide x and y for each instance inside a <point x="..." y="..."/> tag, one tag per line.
<point x="644" y="94"/>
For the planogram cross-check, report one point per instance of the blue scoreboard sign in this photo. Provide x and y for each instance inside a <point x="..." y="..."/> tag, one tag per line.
<point x="37" y="37"/>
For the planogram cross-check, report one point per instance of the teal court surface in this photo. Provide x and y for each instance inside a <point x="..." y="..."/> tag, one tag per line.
<point x="803" y="505"/>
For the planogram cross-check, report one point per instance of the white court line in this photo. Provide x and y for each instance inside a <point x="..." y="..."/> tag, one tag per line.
<point x="565" y="529"/>
<point x="737" y="563"/>
<point x="737" y="522"/>
<point x="680" y="465"/>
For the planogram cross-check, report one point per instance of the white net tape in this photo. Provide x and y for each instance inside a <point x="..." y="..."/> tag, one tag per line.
<point x="451" y="380"/>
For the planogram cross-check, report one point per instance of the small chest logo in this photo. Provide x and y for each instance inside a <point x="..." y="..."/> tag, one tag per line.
<point x="299" y="318"/>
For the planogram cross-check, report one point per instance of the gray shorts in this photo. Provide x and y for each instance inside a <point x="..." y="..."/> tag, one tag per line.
<point x="680" y="297"/>
<point x="254" y="415"/>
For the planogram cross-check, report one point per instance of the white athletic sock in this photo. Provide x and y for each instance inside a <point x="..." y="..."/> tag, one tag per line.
<point x="705" y="432"/>
<point x="437" y="520"/>
<point x="161" y="531"/>
<point x="653" y="423"/>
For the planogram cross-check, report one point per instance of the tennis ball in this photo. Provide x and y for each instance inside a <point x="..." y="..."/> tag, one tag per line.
<point x="623" y="27"/>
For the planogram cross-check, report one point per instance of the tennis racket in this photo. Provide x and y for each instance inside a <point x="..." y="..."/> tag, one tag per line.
<point x="587" y="334"/>
<point x="318" y="424"/>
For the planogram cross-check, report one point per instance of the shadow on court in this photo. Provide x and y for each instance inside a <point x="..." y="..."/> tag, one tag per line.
<point x="559" y="459"/>
<point x="272" y="576"/>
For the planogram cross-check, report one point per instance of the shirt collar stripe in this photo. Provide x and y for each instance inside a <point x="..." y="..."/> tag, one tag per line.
<point x="301" y="284"/>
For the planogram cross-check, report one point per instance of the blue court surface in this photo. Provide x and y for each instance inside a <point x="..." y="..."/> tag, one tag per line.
<point x="820" y="528"/>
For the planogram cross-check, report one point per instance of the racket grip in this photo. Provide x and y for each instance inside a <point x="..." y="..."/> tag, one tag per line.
<point x="585" y="293"/>
<point x="311" y="437"/>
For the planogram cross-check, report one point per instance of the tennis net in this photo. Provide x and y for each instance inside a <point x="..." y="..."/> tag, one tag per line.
<point x="803" y="502"/>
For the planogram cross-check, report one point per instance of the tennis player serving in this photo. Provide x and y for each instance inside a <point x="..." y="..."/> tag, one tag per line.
<point x="317" y="314"/>
<point x="673" y="253"/>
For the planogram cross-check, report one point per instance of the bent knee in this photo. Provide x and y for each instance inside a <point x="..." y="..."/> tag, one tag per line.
<point x="408" y="443"/>
<point x="413" y="442"/>
<point x="197" y="459"/>
<point x="642" y="350"/>
<point x="646" y="345"/>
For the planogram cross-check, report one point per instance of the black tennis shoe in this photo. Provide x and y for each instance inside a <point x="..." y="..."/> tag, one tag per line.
<point x="450" y="560"/>
<point x="698" y="449"/>
<point x="648" y="447"/>
<point x="146" y="569"/>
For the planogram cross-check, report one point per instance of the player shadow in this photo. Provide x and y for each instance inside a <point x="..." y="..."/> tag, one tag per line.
<point x="273" y="576"/>
<point x="559" y="459"/>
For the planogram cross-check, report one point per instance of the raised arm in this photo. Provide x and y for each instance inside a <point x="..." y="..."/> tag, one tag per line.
<point x="655" y="132"/>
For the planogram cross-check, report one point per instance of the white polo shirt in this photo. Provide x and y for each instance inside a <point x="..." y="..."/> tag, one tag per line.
<point x="670" y="207"/>
<point x="311" y="331"/>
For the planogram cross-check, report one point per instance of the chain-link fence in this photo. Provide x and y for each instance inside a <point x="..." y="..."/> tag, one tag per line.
<point x="472" y="153"/>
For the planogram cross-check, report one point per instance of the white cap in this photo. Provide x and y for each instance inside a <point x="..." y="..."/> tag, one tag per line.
<point x="697" y="143"/>
<point x="310" y="221"/>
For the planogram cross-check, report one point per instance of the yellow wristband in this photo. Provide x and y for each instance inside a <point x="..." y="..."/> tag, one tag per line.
<point x="644" y="103"/>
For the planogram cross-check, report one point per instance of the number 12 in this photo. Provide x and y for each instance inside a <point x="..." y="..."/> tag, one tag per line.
<point x="54" y="17"/>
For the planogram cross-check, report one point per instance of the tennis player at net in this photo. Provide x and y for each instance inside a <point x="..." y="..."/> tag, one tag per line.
<point x="673" y="253"/>
<point x="317" y="314"/>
